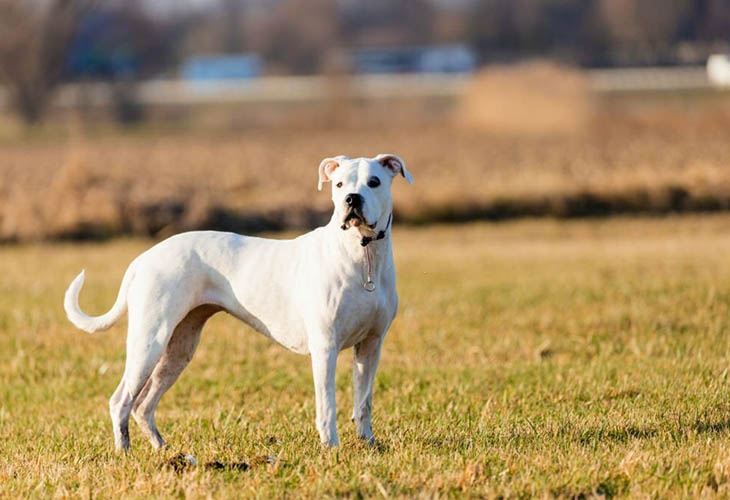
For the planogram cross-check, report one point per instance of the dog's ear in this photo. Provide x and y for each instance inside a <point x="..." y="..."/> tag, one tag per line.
<point x="327" y="168"/>
<point x="395" y="165"/>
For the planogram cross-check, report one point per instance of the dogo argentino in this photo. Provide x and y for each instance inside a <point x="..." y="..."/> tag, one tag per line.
<point x="320" y="293"/>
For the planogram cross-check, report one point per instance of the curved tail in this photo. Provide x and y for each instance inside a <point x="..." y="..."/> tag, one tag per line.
<point x="93" y="324"/>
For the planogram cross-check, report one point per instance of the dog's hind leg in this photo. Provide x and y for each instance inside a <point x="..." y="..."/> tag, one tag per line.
<point x="146" y="340"/>
<point x="119" y="405"/>
<point x="140" y="364"/>
<point x="177" y="355"/>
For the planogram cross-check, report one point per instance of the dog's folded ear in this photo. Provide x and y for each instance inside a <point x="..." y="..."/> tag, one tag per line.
<point x="395" y="165"/>
<point x="327" y="168"/>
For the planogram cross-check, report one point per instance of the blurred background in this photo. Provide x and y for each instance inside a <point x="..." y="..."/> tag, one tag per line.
<point x="149" y="117"/>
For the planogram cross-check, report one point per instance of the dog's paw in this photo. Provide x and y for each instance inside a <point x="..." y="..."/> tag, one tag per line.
<point x="366" y="435"/>
<point x="367" y="441"/>
<point x="330" y="443"/>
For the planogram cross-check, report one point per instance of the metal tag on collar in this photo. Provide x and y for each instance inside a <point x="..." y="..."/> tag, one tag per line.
<point x="369" y="284"/>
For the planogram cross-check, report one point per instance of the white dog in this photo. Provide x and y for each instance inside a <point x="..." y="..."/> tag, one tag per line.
<point x="317" y="294"/>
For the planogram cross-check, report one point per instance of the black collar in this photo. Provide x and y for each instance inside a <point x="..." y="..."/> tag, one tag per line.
<point x="367" y="239"/>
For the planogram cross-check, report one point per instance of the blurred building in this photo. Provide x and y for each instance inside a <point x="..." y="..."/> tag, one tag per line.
<point x="432" y="59"/>
<point x="221" y="67"/>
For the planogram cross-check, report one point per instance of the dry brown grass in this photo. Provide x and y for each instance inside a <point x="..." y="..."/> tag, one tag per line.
<point x="536" y="98"/>
<point x="637" y="155"/>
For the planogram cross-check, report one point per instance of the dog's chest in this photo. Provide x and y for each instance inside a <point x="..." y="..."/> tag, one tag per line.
<point x="359" y="313"/>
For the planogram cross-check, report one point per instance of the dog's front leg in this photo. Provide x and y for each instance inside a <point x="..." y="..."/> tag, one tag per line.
<point x="365" y="363"/>
<point x="324" y="363"/>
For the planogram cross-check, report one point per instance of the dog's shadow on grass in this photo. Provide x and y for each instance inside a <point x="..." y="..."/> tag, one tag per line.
<point x="619" y="435"/>
<point x="351" y="443"/>
<point x="679" y="430"/>
<point x="703" y="427"/>
<point x="226" y="466"/>
<point x="181" y="462"/>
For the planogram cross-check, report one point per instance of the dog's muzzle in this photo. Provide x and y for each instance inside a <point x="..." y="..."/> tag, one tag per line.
<point x="354" y="218"/>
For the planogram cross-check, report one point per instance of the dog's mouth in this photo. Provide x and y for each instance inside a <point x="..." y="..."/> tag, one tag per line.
<point x="355" y="218"/>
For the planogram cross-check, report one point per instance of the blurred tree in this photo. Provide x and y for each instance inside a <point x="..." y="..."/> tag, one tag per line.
<point x="645" y="31"/>
<point x="296" y="36"/>
<point x="299" y="34"/>
<point x="388" y="23"/>
<point x="625" y="32"/>
<point x="710" y="20"/>
<point x="34" y="38"/>
<point x="232" y="23"/>
<point x="122" y="44"/>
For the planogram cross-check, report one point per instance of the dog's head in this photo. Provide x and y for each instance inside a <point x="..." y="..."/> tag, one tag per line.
<point x="361" y="189"/>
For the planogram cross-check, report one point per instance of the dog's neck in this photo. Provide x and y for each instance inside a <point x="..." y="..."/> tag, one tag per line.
<point x="377" y="241"/>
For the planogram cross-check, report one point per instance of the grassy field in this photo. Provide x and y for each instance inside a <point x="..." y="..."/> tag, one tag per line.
<point x="534" y="358"/>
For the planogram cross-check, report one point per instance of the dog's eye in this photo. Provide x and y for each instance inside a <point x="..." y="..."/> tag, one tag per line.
<point x="339" y="184"/>
<point x="374" y="182"/>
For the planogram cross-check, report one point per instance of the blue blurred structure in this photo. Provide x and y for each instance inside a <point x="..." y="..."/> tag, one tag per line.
<point x="102" y="47"/>
<point x="221" y="67"/>
<point x="430" y="59"/>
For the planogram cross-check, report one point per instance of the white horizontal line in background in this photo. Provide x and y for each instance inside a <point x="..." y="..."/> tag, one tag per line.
<point x="272" y="89"/>
<point x="649" y="79"/>
<point x="314" y="88"/>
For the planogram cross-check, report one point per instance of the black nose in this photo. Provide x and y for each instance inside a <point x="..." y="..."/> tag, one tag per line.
<point x="353" y="200"/>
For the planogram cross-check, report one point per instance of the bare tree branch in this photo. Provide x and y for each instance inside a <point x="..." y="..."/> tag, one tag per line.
<point x="34" y="38"/>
